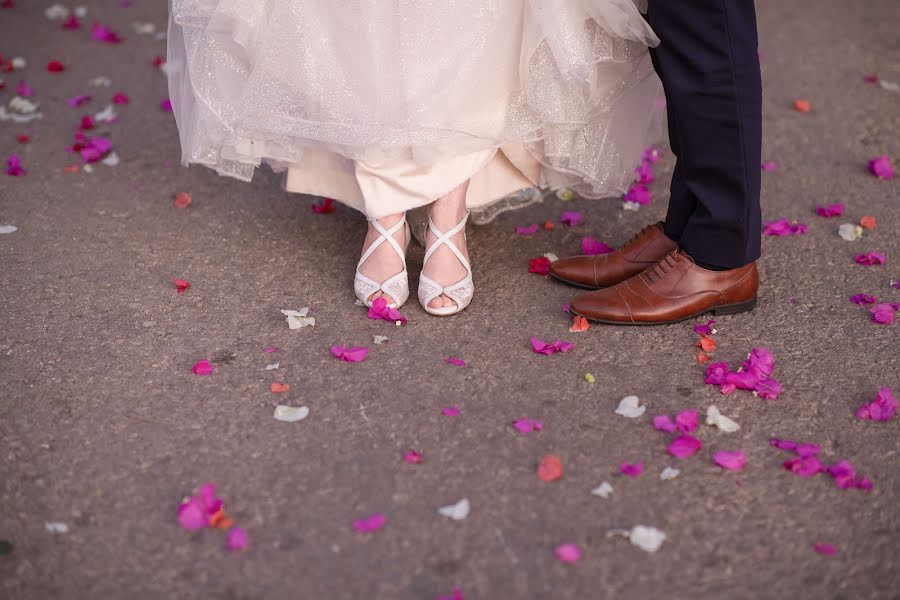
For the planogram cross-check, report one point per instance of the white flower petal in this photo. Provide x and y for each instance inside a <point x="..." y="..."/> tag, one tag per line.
<point x="458" y="511"/>
<point x="56" y="527"/>
<point x="850" y="232"/>
<point x="102" y="81"/>
<point x="669" y="473"/>
<point x="111" y="160"/>
<point x="57" y="12"/>
<point x="603" y="490"/>
<point x="551" y="257"/>
<point x="714" y="417"/>
<point x="107" y="115"/>
<point x="380" y="339"/>
<point x="8" y="229"/>
<point x="889" y="85"/>
<point x="629" y="407"/>
<point x="273" y="366"/>
<point x="646" y="538"/>
<point x="291" y="414"/>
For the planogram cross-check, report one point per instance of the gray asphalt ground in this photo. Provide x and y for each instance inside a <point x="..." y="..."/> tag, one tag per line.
<point x="105" y="428"/>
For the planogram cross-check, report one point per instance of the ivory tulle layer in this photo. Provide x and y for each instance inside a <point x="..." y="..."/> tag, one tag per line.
<point x="569" y="81"/>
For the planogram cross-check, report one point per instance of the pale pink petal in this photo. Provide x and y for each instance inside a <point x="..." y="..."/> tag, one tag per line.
<point x="236" y="540"/>
<point x="663" y="423"/>
<point x="568" y="553"/>
<point x="192" y="516"/>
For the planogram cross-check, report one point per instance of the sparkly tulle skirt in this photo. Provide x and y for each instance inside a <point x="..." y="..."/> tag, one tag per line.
<point x="555" y="93"/>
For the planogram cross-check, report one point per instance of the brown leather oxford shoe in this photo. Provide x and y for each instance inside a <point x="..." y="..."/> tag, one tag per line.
<point x="674" y="289"/>
<point x="603" y="270"/>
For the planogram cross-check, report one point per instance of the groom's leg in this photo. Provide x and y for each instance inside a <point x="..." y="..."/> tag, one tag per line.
<point x="709" y="67"/>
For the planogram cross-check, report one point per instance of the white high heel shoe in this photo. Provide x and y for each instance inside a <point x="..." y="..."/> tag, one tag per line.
<point x="460" y="292"/>
<point x="396" y="286"/>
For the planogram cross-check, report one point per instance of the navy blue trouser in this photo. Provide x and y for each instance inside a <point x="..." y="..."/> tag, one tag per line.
<point x="709" y="66"/>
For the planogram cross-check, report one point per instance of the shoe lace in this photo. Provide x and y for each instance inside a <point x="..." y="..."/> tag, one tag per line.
<point x="663" y="266"/>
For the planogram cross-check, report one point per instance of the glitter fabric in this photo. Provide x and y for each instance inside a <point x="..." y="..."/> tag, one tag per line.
<point x="418" y="80"/>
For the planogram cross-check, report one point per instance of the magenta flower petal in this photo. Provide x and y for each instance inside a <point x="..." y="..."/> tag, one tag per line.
<point x="804" y="466"/>
<point x="192" y="516"/>
<point x="78" y="100"/>
<point x="528" y="425"/>
<point x="14" y="166"/>
<point x="631" y="470"/>
<point x="782" y="227"/>
<point x="102" y="33"/>
<point x="650" y="155"/>
<point x="370" y="523"/>
<point x="570" y="218"/>
<point x="236" y="540"/>
<point x="590" y="246"/>
<point x="548" y="348"/>
<point x="644" y="173"/>
<point x="733" y="461"/>
<point x="883" y="314"/>
<point x="530" y="230"/>
<point x="456" y="595"/>
<point x="769" y="166"/>
<point x="767" y="389"/>
<point x="381" y="310"/>
<point x="450" y="411"/>
<point x="166" y="105"/>
<point x="639" y="194"/>
<point x="24" y="90"/>
<point x="539" y="265"/>
<point x="831" y="210"/>
<point x="743" y="380"/>
<point x="350" y="354"/>
<point x="826" y="549"/>
<point x="870" y="259"/>
<point x="663" y="423"/>
<point x="863" y="299"/>
<point x="120" y="98"/>
<point x="881" y="167"/>
<point x="881" y="409"/>
<point x="716" y="373"/>
<point x="413" y="457"/>
<point x="203" y="367"/>
<point x="687" y="421"/>
<point x="455" y="361"/>
<point x="705" y="329"/>
<point x="568" y="553"/>
<point x="684" y="446"/>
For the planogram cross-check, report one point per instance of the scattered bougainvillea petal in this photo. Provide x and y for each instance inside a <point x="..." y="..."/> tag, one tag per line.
<point x="706" y="328"/>
<point x="78" y="100"/>
<point x="203" y="367"/>
<point x="883" y="314"/>
<point x="870" y="259"/>
<point x="530" y="230"/>
<point x="638" y="193"/>
<point x="783" y="227"/>
<point x="826" y="549"/>
<point x="236" y="540"/>
<point x="458" y="511"/>
<point x="881" y="167"/>
<point x="603" y="490"/>
<point x="539" y="265"/>
<point x="804" y="466"/>
<point x="24" y="90"/>
<point x="630" y="407"/>
<point x="664" y="423"/>
<point x="277" y="387"/>
<point x="570" y="218"/>
<point x="590" y="246"/>
<point x="831" y="210"/>
<point x="844" y="474"/>
<point x="568" y="553"/>
<point x="882" y="408"/>
<point x="357" y="354"/>
<point x="550" y="468"/>
<point x="707" y="344"/>
<point x="381" y="310"/>
<point x="527" y="425"/>
<point x="120" y="98"/>
<point x="104" y="34"/>
<point x="166" y="105"/>
<point x="717" y="419"/>
<point x="369" y="524"/>
<point x="549" y="226"/>
<point x="644" y="172"/>
<point x="197" y="511"/>
<point x="14" y="166"/>
<point x="455" y="361"/>
<point x="413" y="457"/>
<point x="863" y="299"/>
<point x="631" y="470"/>
<point x="684" y="446"/>
<point x="183" y="200"/>
<point x="323" y="208"/>
<point x="803" y="106"/>
<point x="450" y="411"/>
<point x="733" y="461"/>
<point x="548" y="348"/>
<point x="579" y="324"/>
<point x="54" y="66"/>
<point x="769" y="166"/>
<point x="867" y="222"/>
<point x="456" y="594"/>
<point x="298" y="319"/>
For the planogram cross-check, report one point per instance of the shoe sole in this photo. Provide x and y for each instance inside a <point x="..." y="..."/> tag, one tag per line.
<point x="576" y="284"/>
<point x="728" y="309"/>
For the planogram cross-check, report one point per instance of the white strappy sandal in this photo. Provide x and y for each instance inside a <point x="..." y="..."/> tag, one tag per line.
<point x="396" y="286"/>
<point x="460" y="292"/>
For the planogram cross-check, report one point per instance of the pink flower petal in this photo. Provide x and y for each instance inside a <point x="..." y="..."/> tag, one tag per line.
<point x="102" y="33"/>
<point x="370" y="523"/>
<point x="120" y="98"/>
<point x="270" y="349"/>
<point x="528" y="425"/>
<point x="24" y="90"/>
<point x="804" y="466"/>
<point x="191" y="515"/>
<point x="883" y="314"/>
<point x="639" y="194"/>
<point x="456" y="595"/>
<point x="782" y="227"/>
<point x="539" y="265"/>
<point x="590" y="246"/>
<point x="530" y="230"/>
<point x="684" y="446"/>
<point x="664" y="423"/>
<point x="413" y="457"/>
<point x="166" y="105"/>
<point x="687" y="421"/>
<point x="830" y="211"/>
<point x="881" y="167"/>
<point x="705" y="329"/>
<point x="455" y="361"/>
<point x="733" y="461"/>
<point x="769" y="166"/>
<point x="570" y="218"/>
<point x="870" y="259"/>
<point x="644" y="172"/>
<point x="203" y="367"/>
<point x="650" y="155"/>
<point x="357" y="354"/>
<point x="450" y="411"/>
<point x="568" y="553"/>
<point x="14" y="166"/>
<point x="631" y="470"/>
<point x="548" y="348"/>
<point x="863" y="299"/>
<point x="78" y="100"/>
<point x="236" y="540"/>
<point x="881" y="409"/>
<point x="381" y="310"/>
<point x="71" y="23"/>
<point x="826" y="549"/>
<point x="716" y="372"/>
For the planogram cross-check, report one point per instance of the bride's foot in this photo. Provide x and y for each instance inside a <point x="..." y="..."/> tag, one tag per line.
<point x="443" y="267"/>
<point x="381" y="271"/>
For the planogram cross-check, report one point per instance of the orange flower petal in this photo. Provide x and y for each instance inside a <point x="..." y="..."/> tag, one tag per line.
<point x="70" y="169"/>
<point x="183" y="200"/>
<point x="703" y="357"/>
<point x="802" y="106"/>
<point x="278" y="387"/>
<point x="548" y="225"/>
<point x="579" y="323"/>
<point x="867" y="222"/>
<point x="550" y="468"/>
<point x="707" y="343"/>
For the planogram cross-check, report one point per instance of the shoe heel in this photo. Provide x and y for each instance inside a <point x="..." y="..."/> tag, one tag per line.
<point x="733" y="309"/>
